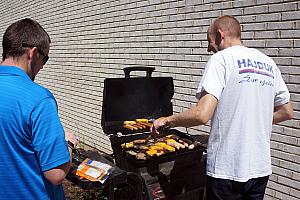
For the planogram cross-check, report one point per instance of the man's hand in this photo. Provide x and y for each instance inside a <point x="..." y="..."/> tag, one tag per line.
<point x="71" y="137"/>
<point x="282" y="113"/>
<point x="160" y="122"/>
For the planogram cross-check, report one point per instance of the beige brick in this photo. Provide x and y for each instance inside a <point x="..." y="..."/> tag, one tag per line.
<point x="289" y="183"/>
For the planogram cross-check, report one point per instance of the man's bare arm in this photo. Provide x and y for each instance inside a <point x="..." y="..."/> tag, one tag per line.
<point x="58" y="174"/>
<point x="194" y="116"/>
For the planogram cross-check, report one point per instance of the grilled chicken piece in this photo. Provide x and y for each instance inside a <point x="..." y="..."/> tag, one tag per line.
<point x="189" y="142"/>
<point x="141" y="141"/>
<point x="159" y="153"/>
<point x="141" y="156"/>
<point x="146" y="124"/>
<point x="175" y="144"/>
<point x="160" y="144"/>
<point x="142" y="147"/>
<point x="165" y="146"/>
<point x="130" y="127"/>
<point x="155" y="147"/>
<point x="174" y="137"/>
<point x="133" y="153"/>
<point x="192" y="146"/>
<point x="138" y="126"/>
<point x="184" y="143"/>
<point x="127" y="145"/>
<point x="151" y="152"/>
<point x="129" y="122"/>
<point x="169" y="148"/>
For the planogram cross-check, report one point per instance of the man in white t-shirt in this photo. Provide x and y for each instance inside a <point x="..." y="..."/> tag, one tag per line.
<point x="243" y="94"/>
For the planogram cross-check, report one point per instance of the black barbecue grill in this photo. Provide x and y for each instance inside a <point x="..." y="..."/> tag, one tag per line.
<point x="132" y="98"/>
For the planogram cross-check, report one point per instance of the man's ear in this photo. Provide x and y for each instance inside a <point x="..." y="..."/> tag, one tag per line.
<point x="31" y="52"/>
<point x="221" y="33"/>
<point x="219" y="36"/>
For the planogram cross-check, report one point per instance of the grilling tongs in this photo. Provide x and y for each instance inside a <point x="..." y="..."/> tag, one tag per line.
<point x="161" y="130"/>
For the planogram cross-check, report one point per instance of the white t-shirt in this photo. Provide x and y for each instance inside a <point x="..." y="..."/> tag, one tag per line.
<point x="247" y="84"/>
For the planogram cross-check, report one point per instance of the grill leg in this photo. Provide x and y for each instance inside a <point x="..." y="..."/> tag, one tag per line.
<point x="138" y="181"/>
<point x="111" y="190"/>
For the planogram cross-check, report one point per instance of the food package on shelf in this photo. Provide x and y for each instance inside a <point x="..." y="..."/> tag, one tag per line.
<point x="93" y="170"/>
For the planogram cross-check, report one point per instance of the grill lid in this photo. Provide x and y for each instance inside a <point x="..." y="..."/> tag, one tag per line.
<point x="135" y="97"/>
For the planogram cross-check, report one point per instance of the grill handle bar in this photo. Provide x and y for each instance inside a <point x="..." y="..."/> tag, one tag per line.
<point x="148" y="70"/>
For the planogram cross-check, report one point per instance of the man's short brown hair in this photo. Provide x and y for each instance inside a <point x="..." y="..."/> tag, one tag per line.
<point x="21" y="34"/>
<point x="229" y="25"/>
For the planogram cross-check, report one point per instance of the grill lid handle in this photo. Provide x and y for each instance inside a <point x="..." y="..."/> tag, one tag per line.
<point x="148" y="70"/>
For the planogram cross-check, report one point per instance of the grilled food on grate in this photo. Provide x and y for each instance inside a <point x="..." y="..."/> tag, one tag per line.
<point x="143" y="149"/>
<point x="138" y="124"/>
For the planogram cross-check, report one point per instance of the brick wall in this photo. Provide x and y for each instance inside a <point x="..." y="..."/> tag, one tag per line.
<point x="94" y="40"/>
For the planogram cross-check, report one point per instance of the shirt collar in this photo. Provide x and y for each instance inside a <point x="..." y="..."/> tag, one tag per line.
<point x="13" y="70"/>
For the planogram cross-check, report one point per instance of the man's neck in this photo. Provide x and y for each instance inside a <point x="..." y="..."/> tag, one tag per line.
<point x="18" y="62"/>
<point x="233" y="42"/>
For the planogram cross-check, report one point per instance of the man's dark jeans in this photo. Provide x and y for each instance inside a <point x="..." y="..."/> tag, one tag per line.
<point x="223" y="189"/>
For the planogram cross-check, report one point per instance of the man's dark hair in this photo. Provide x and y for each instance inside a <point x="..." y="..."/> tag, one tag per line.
<point x="21" y="34"/>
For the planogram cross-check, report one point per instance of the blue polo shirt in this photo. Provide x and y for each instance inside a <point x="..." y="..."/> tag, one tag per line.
<point x="32" y="138"/>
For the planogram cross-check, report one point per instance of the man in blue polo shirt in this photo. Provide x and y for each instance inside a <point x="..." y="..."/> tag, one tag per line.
<point x="34" y="155"/>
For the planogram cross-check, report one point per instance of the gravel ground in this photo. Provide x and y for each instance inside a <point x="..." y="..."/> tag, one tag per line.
<point x="74" y="192"/>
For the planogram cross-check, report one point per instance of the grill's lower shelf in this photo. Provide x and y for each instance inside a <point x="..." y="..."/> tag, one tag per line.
<point x="117" y="176"/>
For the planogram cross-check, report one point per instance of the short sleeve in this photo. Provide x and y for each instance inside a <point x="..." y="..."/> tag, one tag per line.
<point x="48" y="138"/>
<point x="213" y="80"/>
<point x="282" y="95"/>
